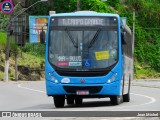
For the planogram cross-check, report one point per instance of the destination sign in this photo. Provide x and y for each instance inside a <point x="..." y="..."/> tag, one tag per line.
<point x="81" y="22"/>
<point x="84" y="21"/>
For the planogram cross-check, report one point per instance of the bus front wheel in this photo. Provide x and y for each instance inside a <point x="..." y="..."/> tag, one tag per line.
<point x="116" y="100"/>
<point x="70" y="100"/>
<point x="59" y="101"/>
<point x="78" y="101"/>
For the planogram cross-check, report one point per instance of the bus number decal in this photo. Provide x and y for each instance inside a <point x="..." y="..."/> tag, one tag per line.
<point x="75" y="58"/>
<point x="70" y="58"/>
<point x="102" y="55"/>
<point x="61" y="58"/>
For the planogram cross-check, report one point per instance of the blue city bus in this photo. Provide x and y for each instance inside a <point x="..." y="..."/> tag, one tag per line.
<point x="88" y="55"/>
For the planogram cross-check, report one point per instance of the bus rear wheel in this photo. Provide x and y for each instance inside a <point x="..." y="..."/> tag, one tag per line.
<point x="116" y="100"/>
<point x="126" y="97"/>
<point x="78" y="101"/>
<point x="59" y="101"/>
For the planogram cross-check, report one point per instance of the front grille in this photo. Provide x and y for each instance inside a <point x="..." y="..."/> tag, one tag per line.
<point x="82" y="73"/>
<point x="91" y="89"/>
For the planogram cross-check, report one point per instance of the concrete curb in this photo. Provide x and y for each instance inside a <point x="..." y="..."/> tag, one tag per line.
<point x="147" y="80"/>
<point x="146" y="83"/>
<point x="146" y="86"/>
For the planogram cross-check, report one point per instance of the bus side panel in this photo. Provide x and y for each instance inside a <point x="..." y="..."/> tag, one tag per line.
<point x="128" y="73"/>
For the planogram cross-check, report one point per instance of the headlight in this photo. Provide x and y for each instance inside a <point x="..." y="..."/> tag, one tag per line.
<point x="52" y="78"/>
<point x="112" y="78"/>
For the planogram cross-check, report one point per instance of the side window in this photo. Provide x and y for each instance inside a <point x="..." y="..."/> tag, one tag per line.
<point x="127" y="47"/>
<point x="129" y="38"/>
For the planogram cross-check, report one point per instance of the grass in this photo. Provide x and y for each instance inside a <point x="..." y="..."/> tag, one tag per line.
<point x="30" y="60"/>
<point x="36" y="49"/>
<point x="143" y="71"/>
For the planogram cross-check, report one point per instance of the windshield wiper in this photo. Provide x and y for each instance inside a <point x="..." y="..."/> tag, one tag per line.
<point x="94" y="38"/>
<point x="71" y="38"/>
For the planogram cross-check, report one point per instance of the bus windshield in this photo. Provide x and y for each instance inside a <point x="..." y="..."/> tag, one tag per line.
<point x="82" y="48"/>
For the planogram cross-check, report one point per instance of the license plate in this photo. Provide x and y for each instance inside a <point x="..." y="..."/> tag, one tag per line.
<point x="82" y="92"/>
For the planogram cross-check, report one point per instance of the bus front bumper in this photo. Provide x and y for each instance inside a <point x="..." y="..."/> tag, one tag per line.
<point x="91" y="89"/>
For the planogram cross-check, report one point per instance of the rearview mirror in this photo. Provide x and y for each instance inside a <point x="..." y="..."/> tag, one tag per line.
<point x="123" y="37"/>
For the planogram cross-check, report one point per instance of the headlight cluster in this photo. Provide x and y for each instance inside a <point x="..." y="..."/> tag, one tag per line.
<point x="52" y="78"/>
<point x="112" y="78"/>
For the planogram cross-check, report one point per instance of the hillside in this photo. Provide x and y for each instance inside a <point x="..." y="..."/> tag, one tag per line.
<point x="30" y="63"/>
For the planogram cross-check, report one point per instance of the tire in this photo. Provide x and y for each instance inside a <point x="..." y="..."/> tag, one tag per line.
<point x="116" y="100"/>
<point x="126" y="97"/>
<point x="59" y="101"/>
<point x="78" y="101"/>
<point x="70" y="100"/>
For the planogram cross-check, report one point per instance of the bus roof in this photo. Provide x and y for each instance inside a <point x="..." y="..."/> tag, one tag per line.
<point x="85" y="13"/>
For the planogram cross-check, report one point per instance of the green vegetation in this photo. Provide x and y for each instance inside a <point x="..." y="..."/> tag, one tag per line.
<point x="147" y="49"/>
<point x="3" y="37"/>
<point x="3" y="21"/>
<point x="144" y="71"/>
<point x="32" y="55"/>
<point x="2" y="40"/>
<point x="62" y="6"/>
<point x="1" y="76"/>
<point x="147" y="37"/>
<point x="147" y="45"/>
<point x="36" y="49"/>
<point x="30" y="60"/>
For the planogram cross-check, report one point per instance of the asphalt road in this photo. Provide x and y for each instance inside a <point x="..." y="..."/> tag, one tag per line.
<point x="31" y="96"/>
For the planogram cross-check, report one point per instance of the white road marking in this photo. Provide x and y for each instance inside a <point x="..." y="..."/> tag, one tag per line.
<point x="152" y="100"/>
<point x="19" y="85"/>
